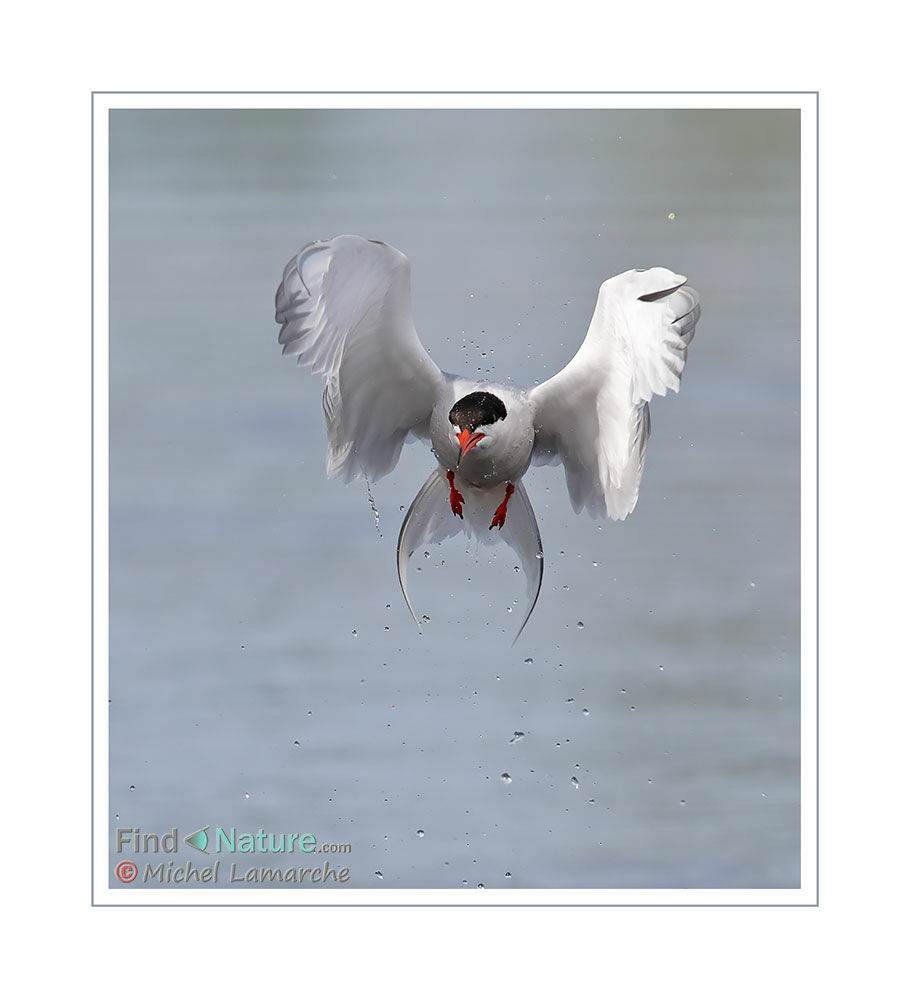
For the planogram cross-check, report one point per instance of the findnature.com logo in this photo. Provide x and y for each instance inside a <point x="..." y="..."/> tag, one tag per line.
<point x="230" y="841"/>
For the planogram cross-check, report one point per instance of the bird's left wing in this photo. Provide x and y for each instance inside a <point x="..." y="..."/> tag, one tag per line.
<point x="593" y="416"/>
<point x="344" y="306"/>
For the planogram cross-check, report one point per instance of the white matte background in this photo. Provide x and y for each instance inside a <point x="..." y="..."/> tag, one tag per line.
<point x="62" y="54"/>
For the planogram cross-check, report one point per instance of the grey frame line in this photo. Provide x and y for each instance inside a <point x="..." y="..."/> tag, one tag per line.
<point x="425" y="905"/>
<point x="560" y="93"/>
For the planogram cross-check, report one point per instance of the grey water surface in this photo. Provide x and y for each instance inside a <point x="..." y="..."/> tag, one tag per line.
<point x="264" y="670"/>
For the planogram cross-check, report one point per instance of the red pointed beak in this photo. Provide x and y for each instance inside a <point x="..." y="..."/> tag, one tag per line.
<point x="467" y="441"/>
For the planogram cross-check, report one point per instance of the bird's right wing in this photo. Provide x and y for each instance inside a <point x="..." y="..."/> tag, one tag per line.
<point x="593" y="416"/>
<point x="344" y="306"/>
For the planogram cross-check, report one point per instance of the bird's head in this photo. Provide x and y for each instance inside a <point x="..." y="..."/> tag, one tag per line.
<point x="472" y="418"/>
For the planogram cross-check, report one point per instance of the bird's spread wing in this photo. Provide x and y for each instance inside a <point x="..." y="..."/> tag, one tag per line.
<point x="593" y="416"/>
<point x="344" y="306"/>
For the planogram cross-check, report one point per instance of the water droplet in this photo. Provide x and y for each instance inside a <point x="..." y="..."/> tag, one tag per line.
<point x="379" y="874"/>
<point x="671" y="216"/>
<point x="247" y="795"/>
<point x="507" y="875"/>
<point x="515" y="568"/>
<point x="506" y="778"/>
<point x="569" y="700"/>
<point x="586" y="712"/>
<point x="376" y="513"/>
<point x="354" y="632"/>
<point x="517" y="737"/>
<point x="425" y="619"/>
<point x="595" y="565"/>
<point x="132" y="787"/>
<point x="529" y="660"/>
<point x="509" y="610"/>
<point x="296" y="743"/>
<point x="539" y="554"/>
<point x="580" y="624"/>
<point x="683" y="801"/>
<point x="420" y="832"/>
<point x="575" y="782"/>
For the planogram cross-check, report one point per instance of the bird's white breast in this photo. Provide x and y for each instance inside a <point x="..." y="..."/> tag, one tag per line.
<point x="505" y="454"/>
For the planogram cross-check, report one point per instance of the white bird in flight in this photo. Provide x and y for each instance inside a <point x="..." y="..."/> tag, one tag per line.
<point x="344" y="306"/>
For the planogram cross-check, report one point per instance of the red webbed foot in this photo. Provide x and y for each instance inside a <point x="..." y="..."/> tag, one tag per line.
<point x="499" y="518"/>
<point x="455" y="497"/>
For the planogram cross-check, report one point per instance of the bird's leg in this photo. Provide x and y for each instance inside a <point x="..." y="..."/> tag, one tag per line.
<point x="455" y="497"/>
<point x="499" y="518"/>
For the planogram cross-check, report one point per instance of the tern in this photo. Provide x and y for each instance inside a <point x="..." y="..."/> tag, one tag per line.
<point x="344" y="306"/>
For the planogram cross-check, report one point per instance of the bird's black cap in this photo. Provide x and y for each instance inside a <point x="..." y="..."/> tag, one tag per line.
<point x="477" y="409"/>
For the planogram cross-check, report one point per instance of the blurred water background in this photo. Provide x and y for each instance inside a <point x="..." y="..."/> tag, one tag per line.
<point x="264" y="670"/>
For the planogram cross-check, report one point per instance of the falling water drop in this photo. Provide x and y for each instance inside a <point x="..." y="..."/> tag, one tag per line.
<point x="376" y="513"/>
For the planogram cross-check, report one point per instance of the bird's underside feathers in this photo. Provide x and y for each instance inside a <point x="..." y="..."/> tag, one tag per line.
<point x="430" y="520"/>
